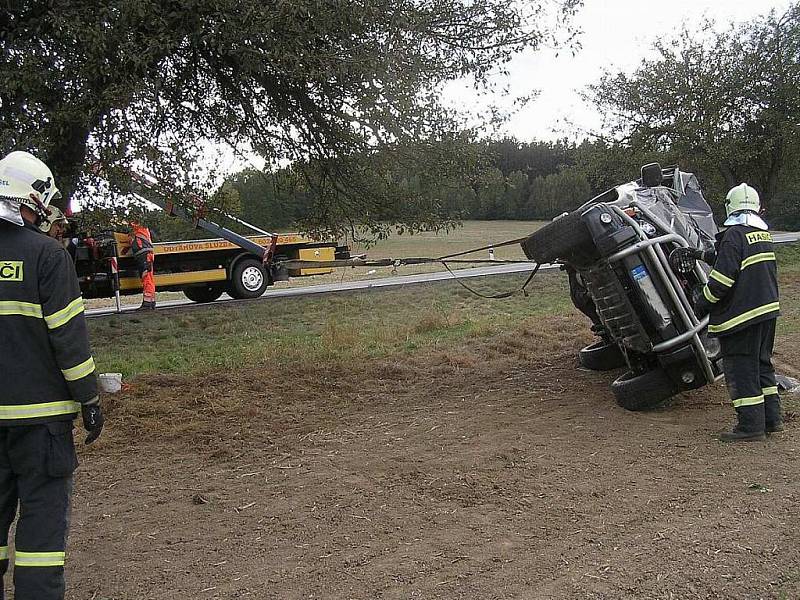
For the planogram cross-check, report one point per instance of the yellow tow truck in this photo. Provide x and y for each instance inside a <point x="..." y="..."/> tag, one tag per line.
<point x="242" y="266"/>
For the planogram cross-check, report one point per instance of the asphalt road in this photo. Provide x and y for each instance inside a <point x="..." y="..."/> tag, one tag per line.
<point x="395" y="281"/>
<point x="790" y="237"/>
<point x="780" y="238"/>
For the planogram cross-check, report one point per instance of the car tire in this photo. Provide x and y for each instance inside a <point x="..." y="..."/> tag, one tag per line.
<point x="601" y="356"/>
<point x="249" y="279"/>
<point x="203" y="293"/>
<point x="566" y="238"/>
<point x="644" y="391"/>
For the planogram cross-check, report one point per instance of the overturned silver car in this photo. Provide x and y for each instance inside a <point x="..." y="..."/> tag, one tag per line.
<point x="615" y="250"/>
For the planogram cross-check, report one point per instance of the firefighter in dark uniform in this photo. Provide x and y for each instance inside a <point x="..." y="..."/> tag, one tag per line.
<point x="742" y="299"/>
<point x="48" y="377"/>
<point x="55" y="224"/>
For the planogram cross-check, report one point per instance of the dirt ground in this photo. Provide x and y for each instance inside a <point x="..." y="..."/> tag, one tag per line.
<point x="495" y="471"/>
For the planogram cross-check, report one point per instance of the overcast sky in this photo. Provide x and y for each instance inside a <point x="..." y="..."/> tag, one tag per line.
<point x="617" y="34"/>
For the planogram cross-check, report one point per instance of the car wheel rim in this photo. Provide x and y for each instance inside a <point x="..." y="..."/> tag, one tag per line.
<point x="252" y="278"/>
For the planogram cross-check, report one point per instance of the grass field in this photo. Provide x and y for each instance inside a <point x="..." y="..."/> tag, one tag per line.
<point x="335" y="327"/>
<point x="472" y="234"/>
<point x="345" y="326"/>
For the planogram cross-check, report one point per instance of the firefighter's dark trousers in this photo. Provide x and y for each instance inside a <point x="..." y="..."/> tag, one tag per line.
<point x="750" y="376"/>
<point x="36" y="466"/>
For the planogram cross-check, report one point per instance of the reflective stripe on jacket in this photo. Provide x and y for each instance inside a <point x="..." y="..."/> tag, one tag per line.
<point x="742" y="288"/>
<point x="46" y="366"/>
<point x="141" y="243"/>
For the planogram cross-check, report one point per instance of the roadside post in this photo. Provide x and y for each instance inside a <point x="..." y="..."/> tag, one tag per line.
<point x="115" y="281"/>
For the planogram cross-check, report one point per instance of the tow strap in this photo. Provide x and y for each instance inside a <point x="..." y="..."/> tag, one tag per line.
<point x="500" y="245"/>
<point x="421" y="260"/>
<point x="500" y="295"/>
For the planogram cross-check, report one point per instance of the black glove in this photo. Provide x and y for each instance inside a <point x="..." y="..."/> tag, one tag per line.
<point x="707" y="256"/>
<point x="682" y="260"/>
<point x="92" y="419"/>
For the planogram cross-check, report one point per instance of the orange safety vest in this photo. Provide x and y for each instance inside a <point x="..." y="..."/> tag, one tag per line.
<point x="140" y="240"/>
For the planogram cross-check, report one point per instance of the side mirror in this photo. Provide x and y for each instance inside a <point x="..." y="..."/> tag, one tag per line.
<point x="683" y="260"/>
<point x="652" y="175"/>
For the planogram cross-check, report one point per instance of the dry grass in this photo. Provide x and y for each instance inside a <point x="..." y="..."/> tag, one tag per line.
<point x="334" y="327"/>
<point x="472" y="234"/>
<point x="417" y="442"/>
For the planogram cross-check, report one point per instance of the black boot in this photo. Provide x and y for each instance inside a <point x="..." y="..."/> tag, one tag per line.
<point x="147" y="305"/>
<point x="773" y="417"/>
<point x="749" y="426"/>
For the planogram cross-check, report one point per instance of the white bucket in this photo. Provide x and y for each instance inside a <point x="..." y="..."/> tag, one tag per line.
<point x="110" y="382"/>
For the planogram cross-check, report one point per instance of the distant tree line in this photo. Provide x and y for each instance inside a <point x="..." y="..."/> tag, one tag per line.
<point x="508" y="179"/>
<point x="514" y="181"/>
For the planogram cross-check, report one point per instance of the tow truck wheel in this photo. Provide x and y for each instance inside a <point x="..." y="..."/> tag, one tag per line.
<point x="248" y="280"/>
<point x="645" y="391"/>
<point x="203" y="293"/>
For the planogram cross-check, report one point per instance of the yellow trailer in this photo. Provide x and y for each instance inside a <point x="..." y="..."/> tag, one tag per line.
<point x="202" y="269"/>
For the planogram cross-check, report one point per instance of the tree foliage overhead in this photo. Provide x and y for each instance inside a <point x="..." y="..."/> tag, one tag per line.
<point x="726" y="101"/>
<point x="322" y="83"/>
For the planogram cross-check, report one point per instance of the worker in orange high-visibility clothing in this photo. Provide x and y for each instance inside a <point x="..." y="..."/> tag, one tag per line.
<point x="142" y="250"/>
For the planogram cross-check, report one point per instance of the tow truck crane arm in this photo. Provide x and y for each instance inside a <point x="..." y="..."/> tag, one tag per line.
<point x="148" y="188"/>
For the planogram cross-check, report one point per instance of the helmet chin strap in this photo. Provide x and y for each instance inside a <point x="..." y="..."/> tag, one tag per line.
<point x="39" y="210"/>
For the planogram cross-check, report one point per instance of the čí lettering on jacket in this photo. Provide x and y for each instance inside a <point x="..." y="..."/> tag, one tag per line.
<point x="11" y="270"/>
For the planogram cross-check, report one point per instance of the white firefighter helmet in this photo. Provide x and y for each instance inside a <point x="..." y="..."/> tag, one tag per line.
<point x="24" y="179"/>
<point x="742" y="197"/>
<point x="55" y="216"/>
